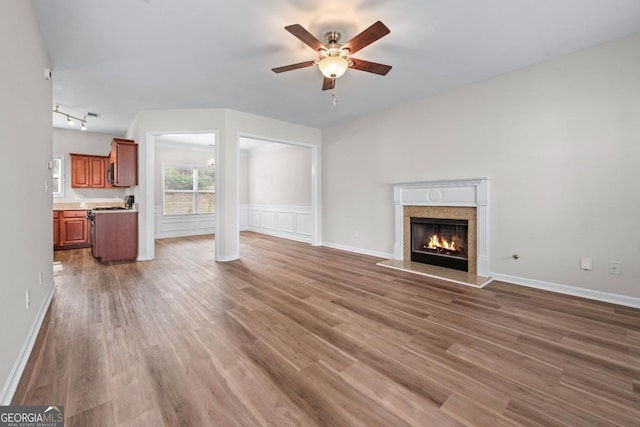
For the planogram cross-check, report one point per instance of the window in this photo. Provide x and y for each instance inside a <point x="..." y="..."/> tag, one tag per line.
<point x="57" y="180"/>
<point x="189" y="190"/>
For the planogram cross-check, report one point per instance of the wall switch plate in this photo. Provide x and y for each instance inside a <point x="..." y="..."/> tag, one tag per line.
<point x="615" y="267"/>
<point x="586" y="263"/>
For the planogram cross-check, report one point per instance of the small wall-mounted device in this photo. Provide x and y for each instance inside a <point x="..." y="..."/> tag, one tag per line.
<point x="47" y="73"/>
<point x="586" y="263"/>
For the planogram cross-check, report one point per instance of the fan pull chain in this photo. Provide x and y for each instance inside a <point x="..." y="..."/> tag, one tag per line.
<point x="335" y="100"/>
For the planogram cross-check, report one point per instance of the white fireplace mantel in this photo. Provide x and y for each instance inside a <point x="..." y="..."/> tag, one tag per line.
<point x="472" y="192"/>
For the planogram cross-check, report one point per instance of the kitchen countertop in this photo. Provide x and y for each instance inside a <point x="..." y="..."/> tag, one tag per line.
<point x="114" y="211"/>
<point x="86" y="206"/>
<point x="56" y="208"/>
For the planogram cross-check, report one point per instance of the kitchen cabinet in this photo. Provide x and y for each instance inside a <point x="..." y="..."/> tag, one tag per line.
<point x="89" y="171"/>
<point x="73" y="229"/>
<point x="123" y="163"/>
<point x="56" y="228"/>
<point x="115" y="235"/>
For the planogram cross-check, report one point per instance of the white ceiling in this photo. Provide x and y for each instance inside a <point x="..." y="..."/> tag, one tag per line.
<point x="118" y="57"/>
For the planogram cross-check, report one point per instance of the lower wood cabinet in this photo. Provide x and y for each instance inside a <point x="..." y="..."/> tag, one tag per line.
<point x="115" y="236"/>
<point x="56" y="229"/>
<point x="71" y="230"/>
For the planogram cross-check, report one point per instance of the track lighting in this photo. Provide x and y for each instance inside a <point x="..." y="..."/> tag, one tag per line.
<point x="70" y="118"/>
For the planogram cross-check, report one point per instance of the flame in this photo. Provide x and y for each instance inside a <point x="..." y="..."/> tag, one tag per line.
<point x="435" y="242"/>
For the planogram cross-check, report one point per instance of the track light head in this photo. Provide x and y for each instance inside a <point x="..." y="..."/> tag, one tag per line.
<point x="70" y="118"/>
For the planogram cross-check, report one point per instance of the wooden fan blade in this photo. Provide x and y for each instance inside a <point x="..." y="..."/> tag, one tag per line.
<point x="368" y="36"/>
<point x="370" y="67"/>
<point x="305" y="36"/>
<point x="328" y="83"/>
<point x="293" y="66"/>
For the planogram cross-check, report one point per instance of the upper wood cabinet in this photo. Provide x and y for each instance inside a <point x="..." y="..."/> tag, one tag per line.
<point x="89" y="171"/>
<point x="123" y="163"/>
<point x="118" y="169"/>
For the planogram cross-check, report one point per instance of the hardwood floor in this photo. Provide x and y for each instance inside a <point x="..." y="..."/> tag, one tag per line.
<point x="298" y="335"/>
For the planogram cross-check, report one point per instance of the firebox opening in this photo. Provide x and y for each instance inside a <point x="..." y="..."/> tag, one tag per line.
<point x="441" y="242"/>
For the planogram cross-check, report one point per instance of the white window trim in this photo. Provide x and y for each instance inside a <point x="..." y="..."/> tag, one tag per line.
<point x="193" y="191"/>
<point x="61" y="179"/>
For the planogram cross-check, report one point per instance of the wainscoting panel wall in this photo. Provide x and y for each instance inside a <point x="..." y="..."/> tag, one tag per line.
<point x="291" y="222"/>
<point x="183" y="225"/>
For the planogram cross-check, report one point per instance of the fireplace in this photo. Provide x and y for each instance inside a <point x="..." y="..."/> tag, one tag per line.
<point x="465" y="200"/>
<point x="441" y="242"/>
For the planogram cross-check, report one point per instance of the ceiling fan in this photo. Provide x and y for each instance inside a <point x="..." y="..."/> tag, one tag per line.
<point x="334" y="58"/>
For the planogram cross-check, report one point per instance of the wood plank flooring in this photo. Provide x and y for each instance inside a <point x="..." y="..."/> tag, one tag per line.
<point x="298" y="335"/>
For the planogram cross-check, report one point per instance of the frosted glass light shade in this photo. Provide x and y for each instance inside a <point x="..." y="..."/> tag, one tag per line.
<point x="333" y="66"/>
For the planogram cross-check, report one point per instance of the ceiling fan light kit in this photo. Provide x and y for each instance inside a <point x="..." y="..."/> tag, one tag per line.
<point x="334" y="58"/>
<point x="333" y="66"/>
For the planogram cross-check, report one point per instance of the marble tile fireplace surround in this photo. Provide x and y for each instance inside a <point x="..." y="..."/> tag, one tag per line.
<point x="459" y="199"/>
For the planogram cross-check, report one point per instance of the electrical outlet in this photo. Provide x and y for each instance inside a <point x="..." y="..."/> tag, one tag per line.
<point x="615" y="267"/>
<point x="40" y="277"/>
<point x="28" y="298"/>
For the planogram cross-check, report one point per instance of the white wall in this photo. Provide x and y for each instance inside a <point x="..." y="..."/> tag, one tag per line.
<point x="280" y="175"/>
<point x="560" y="142"/>
<point x="228" y="125"/>
<point x="25" y="132"/>
<point x="79" y="142"/>
<point x="244" y="177"/>
<point x="280" y="191"/>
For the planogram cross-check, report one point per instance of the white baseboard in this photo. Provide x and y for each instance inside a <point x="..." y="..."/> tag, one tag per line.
<point x="357" y="250"/>
<point x="569" y="290"/>
<point x="187" y="233"/>
<point x="9" y="388"/>
<point x="522" y="281"/>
